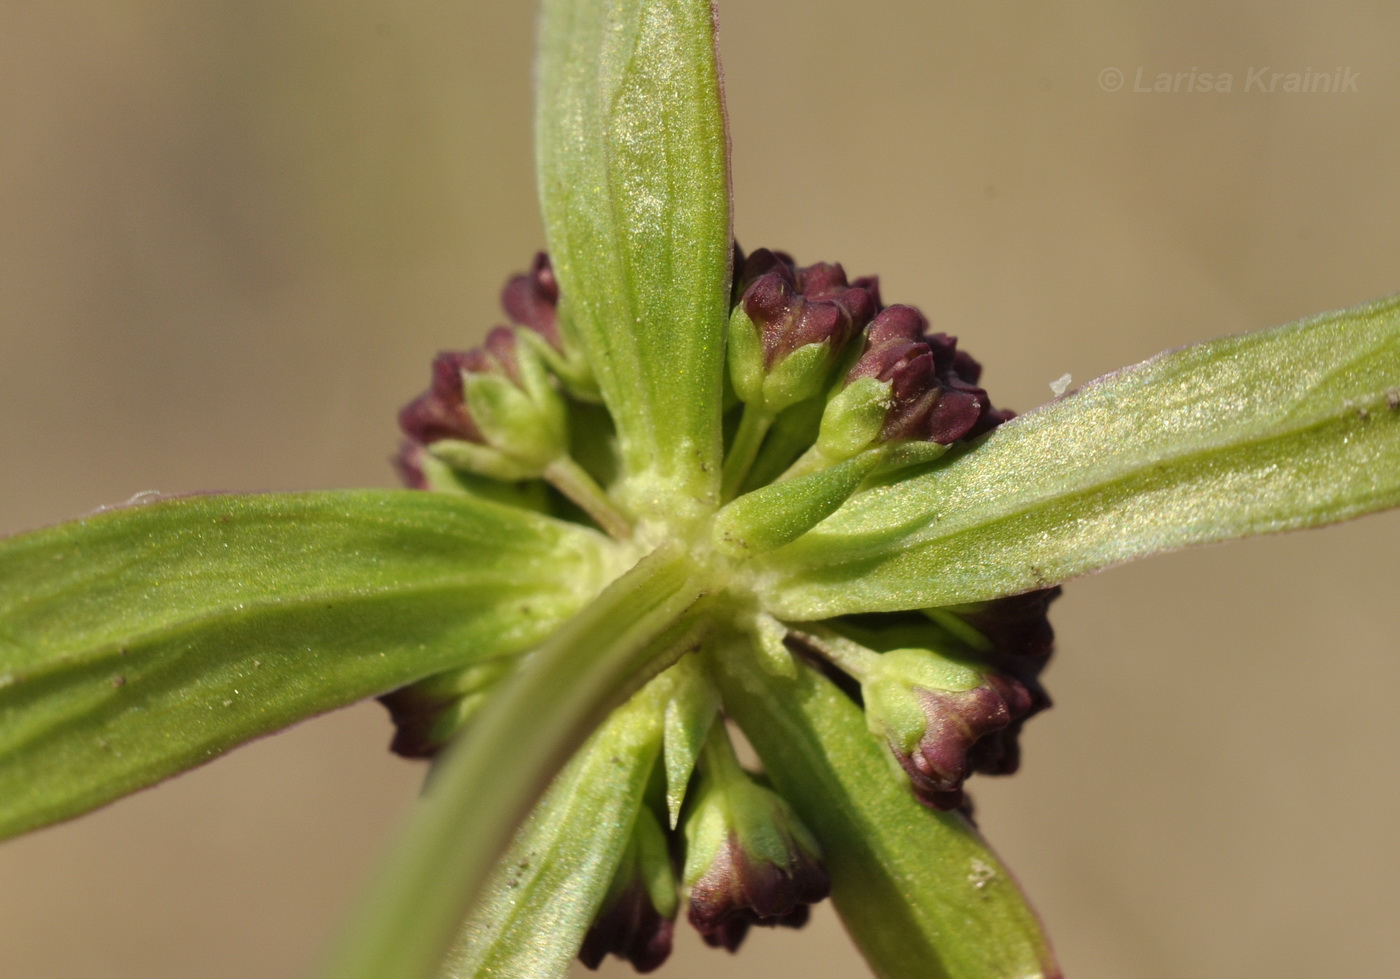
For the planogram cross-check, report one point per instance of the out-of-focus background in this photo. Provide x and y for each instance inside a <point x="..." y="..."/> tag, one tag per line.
<point x="232" y="235"/>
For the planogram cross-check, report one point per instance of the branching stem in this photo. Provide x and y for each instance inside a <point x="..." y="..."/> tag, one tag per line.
<point x="571" y="479"/>
<point x="850" y="656"/>
<point x="753" y="426"/>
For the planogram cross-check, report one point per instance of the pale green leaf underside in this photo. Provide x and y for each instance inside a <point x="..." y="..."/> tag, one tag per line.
<point x="140" y="642"/>
<point x="921" y="894"/>
<point x="1288" y="428"/>
<point x="634" y="186"/>
<point x="533" y="914"/>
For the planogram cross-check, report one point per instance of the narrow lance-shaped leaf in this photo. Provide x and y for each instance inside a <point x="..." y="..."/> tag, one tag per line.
<point x="543" y="894"/>
<point x="634" y="185"/>
<point x="921" y="894"/>
<point x="1288" y="428"/>
<point x="140" y="642"/>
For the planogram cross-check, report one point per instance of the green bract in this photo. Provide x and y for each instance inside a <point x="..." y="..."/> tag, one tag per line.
<point x="624" y="551"/>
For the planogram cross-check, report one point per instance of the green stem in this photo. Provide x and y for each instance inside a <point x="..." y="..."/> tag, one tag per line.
<point x="717" y="756"/>
<point x="486" y="782"/>
<point x="753" y="426"/>
<point x="571" y="479"/>
<point x="849" y="656"/>
<point x="793" y="431"/>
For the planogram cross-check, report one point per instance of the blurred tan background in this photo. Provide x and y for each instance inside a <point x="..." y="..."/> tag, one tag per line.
<point x="232" y="235"/>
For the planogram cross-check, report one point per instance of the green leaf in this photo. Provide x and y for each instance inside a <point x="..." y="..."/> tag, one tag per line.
<point x="542" y="896"/>
<point x="919" y="891"/>
<point x="1288" y="428"/>
<point x="634" y="185"/>
<point x="487" y="781"/>
<point x="143" y="641"/>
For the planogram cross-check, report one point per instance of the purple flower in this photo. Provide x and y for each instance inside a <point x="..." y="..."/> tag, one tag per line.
<point x="749" y="861"/>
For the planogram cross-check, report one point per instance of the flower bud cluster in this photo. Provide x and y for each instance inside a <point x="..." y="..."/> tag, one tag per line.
<point x="790" y="327"/>
<point x="744" y="857"/>
<point x="807" y="338"/>
<point x="1013" y="637"/>
<point x="933" y="386"/>
<point x="493" y="410"/>
<point x="828" y="377"/>
<point x="936" y="714"/>
<point x="948" y="689"/>
<point x="749" y="861"/>
<point x="906" y="385"/>
<point x="496" y="411"/>
<point x="636" y="919"/>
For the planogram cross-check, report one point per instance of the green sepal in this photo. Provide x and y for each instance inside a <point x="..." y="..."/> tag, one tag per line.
<point x="919" y="891"/>
<point x="634" y="187"/>
<point x="798" y="376"/>
<point x="654" y="863"/>
<point x="746" y="357"/>
<point x="439" y="477"/>
<point x="543" y="894"/>
<point x="143" y="641"/>
<point x="853" y="418"/>
<point x="730" y="809"/>
<point x="524" y="422"/>
<point x="893" y="709"/>
<point x="569" y="367"/>
<point x="482" y="460"/>
<point x="1293" y="427"/>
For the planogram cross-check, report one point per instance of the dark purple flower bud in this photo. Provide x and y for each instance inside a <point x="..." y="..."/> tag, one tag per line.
<point x="531" y="299"/>
<point x="961" y="727"/>
<point x="759" y="263"/>
<point x="1012" y="636"/>
<point x="730" y="933"/>
<point x="871" y="285"/>
<point x="494" y="410"/>
<point x="935" y="713"/>
<point x="428" y="713"/>
<point x="500" y="355"/>
<point x="630" y="928"/>
<point x="635" y="920"/>
<point x="824" y="280"/>
<point x="749" y="861"/>
<point x="408" y="463"/>
<point x="895" y="353"/>
<point x="933" y="394"/>
<point x="441" y="413"/>
<point x="956" y="411"/>
<point x="770" y="302"/>
<point x="789" y="328"/>
<point x="969" y="412"/>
